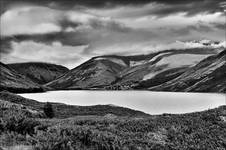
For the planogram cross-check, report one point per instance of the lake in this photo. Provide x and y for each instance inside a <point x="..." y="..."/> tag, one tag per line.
<point x="146" y="101"/>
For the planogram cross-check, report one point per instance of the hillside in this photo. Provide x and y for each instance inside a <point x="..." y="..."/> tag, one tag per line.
<point x="132" y="72"/>
<point x="188" y="70"/>
<point x="95" y="73"/>
<point x="209" y="75"/>
<point x="13" y="81"/>
<point x="107" y="130"/>
<point x="40" y="73"/>
<point x="64" y="111"/>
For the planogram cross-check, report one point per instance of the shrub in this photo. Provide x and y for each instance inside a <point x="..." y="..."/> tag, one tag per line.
<point x="20" y="124"/>
<point x="48" y="110"/>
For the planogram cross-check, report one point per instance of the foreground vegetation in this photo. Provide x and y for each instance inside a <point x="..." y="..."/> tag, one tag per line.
<point x="21" y="129"/>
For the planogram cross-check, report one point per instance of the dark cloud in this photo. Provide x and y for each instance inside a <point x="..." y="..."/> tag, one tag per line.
<point x="65" y="38"/>
<point x="188" y="7"/>
<point x="75" y="31"/>
<point x="220" y="26"/>
<point x="173" y="6"/>
<point x="102" y="3"/>
<point x="5" y="46"/>
<point x="65" y="23"/>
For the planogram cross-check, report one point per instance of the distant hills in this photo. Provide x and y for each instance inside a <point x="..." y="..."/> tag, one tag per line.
<point x="156" y="71"/>
<point x="40" y="73"/>
<point x="12" y="81"/>
<point x="188" y="70"/>
<point x="28" y="77"/>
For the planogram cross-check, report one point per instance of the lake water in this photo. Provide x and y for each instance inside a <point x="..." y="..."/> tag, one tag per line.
<point x="146" y="101"/>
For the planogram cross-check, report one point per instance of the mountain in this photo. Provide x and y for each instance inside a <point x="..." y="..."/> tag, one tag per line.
<point x="64" y="111"/>
<point x="40" y="73"/>
<point x="12" y="81"/>
<point x="190" y="70"/>
<point x="97" y="72"/>
<point x="209" y="75"/>
<point x="113" y="72"/>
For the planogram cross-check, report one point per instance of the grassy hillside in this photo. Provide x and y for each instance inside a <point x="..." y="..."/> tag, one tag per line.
<point x="111" y="72"/>
<point x="13" y="81"/>
<point x="206" y="76"/>
<point x="64" y="111"/>
<point x="38" y="72"/>
<point x="199" y="130"/>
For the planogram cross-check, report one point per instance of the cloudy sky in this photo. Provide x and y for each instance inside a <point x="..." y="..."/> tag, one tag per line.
<point x="68" y="32"/>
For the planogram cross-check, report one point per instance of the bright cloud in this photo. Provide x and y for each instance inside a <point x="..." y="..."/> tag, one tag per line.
<point x="55" y="53"/>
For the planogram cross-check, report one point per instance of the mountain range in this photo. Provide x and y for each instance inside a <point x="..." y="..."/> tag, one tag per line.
<point x="187" y="70"/>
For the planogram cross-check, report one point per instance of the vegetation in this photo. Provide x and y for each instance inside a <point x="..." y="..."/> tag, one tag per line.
<point x="200" y="130"/>
<point x="48" y="110"/>
<point x="65" y="111"/>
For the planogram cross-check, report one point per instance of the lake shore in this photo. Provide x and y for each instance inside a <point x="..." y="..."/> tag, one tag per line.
<point x="146" y="101"/>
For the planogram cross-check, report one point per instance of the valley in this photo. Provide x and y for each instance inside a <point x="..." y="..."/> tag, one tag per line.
<point x="191" y="70"/>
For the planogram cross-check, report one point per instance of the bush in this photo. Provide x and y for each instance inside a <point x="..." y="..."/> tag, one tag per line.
<point x="48" y="110"/>
<point x="20" y="124"/>
<point x="2" y="125"/>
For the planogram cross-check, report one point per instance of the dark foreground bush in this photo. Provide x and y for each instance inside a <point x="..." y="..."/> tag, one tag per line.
<point x="19" y="123"/>
<point x="48" y="110"/>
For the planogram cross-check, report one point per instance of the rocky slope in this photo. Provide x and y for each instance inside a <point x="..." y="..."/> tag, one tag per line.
<point x="12" y="81"/>
<point x="209" y="75"/>
<point x="131" y="72"/>
<point x="40" y="73"/>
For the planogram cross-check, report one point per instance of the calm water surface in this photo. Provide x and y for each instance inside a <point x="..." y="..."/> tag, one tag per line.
<point x="146" y="101"/>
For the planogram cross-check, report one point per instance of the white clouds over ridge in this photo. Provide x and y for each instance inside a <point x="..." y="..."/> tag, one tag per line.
<point x="55" y="53"/>
<point x="74" y="35"/>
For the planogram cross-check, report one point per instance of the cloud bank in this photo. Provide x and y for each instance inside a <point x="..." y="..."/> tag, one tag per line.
<point x="73" y="31"/>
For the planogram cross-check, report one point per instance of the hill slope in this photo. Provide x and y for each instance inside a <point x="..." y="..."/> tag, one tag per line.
<point x="40" y="73"/>
<point x="198" y="130"/>
<point x="97" y="72"/>
<point x="209" y="75"/>
<point x="131" y="72"/>
<point x="64" y="111"/>
<point x="12" y="81"/>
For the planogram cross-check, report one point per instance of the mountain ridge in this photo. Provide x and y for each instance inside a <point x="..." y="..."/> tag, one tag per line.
<point x="158" y="71"/>
<point x="12" y="81"/>
<point x="112" y="72"/>
<point x="209" y="75"/>
<point x="39" y="72"/>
